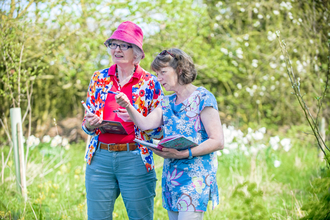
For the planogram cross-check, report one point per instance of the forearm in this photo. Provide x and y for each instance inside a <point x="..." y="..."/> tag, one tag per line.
<point x="207" y="147"/>
<point x="85" y="125"/>
<point x="153" y="120"/>
<point x="204" y="148"/>
<point x="88" y="127"/>
<point x="136" y="117"/>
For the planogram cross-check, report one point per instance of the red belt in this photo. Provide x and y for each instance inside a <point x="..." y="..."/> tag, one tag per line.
<point x="117" y="147"/>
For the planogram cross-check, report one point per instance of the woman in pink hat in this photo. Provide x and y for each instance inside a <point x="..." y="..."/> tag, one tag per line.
<point x="116" y="165"/>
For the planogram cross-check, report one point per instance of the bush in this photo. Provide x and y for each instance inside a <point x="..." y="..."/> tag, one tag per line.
<point x="319" y="202"/>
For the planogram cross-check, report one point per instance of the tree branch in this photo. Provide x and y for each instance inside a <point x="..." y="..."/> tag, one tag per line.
<point x="6" y="130"/>
<point x="12" y="8"/>
<point x="19" y="77"/>
<point x="296" y="87"/>
<point x="25" y="9"/>
<point x="327" y="81"/>
<point x="9" y="88"/>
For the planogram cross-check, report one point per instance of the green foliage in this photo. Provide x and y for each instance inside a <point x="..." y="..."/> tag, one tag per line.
<point x="318" y="205"/>
<point x="249" y="203"/>
<point x="18" y="64"/>
<point x="233" y="45"/>
<point x="53" y="173"/>
<point x="261" y="79"/>
<point x="61" y="51"/>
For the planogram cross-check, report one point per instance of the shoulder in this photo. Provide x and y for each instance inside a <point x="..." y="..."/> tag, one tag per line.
<point x="145" y="75"/>
<point x="166" y="99"/>
<point x="204" y="93"/>
<point x="207" y="99"/>
<point x="101" y="73"/>
<point x="170" y="96"/>
<point x="149" y="83"/>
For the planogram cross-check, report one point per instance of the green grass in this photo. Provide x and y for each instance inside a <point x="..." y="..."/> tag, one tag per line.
<point x="250" y="186"/>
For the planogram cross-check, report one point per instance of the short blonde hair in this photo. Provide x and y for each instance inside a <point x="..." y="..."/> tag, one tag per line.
<point x="137" y="53"/>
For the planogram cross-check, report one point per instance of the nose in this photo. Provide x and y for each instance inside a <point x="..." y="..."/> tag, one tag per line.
<point x="118" y="48"/>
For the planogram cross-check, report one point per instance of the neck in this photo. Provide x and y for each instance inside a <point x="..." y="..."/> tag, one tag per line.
<point x="126" y="70"/>
<point x="184" y="91"/>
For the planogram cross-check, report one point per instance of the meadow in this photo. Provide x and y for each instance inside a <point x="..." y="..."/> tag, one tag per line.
<point x="260" y="176"/>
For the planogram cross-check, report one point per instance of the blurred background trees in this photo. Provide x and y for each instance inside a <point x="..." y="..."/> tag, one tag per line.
<point x="49" y="50"/>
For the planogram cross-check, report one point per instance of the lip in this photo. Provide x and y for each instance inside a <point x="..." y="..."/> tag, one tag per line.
<point x="118" y="56"/>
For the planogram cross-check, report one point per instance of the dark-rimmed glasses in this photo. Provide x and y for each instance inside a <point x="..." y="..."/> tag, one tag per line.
<point x="114" y="46"/>
<point x="164" y="52"/>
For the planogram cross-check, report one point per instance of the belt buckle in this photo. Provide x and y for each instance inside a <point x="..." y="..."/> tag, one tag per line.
<point x="109" y="146"/>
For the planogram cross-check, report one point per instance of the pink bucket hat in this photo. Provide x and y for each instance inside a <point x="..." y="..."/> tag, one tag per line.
<point x="128" y="32"/>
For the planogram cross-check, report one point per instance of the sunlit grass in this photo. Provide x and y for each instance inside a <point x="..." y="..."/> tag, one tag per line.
<point x="56" y="189"/>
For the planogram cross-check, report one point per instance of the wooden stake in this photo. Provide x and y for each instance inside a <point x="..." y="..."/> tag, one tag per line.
<point x="15" y="120"/>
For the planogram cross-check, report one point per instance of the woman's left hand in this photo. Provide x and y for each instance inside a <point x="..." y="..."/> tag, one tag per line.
<point x="123" y="114"/>
<point x="169" y="153"/>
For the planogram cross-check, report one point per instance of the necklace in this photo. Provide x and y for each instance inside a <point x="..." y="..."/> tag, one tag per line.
<point x="126" y="79"/>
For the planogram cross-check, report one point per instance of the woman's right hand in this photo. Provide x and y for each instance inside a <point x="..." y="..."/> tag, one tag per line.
<point x="92" y="121"/>
<point x="122" y="100"/>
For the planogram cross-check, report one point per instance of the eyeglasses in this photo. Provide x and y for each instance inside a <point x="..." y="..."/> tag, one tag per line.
<point x="114" y="46"/>
<point x="164" y="52"/>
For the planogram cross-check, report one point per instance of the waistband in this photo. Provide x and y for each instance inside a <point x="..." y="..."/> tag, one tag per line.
<point x="117" y="147"/>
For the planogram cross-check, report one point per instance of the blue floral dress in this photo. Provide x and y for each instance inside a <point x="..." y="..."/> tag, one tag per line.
<point x="188" y="184"/>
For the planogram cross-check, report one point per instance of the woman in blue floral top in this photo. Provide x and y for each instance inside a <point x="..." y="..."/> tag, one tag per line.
<point x="189" y="176"/>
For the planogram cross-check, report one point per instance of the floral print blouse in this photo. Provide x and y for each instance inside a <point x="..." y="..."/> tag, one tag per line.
<point x="188" y="184"/>
<point x="146" y="96"/>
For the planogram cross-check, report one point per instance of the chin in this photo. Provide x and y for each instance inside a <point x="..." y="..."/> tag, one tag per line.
<point x="119" y="62"/>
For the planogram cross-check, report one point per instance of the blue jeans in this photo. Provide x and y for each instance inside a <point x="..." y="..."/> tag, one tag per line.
<point x="112" y="173"/>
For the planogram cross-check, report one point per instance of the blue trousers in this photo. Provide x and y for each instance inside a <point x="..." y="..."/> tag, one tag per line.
<point x="112" y="173"/>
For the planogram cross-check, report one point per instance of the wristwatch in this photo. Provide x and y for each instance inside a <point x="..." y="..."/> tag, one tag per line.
<point x="190" y="154"/>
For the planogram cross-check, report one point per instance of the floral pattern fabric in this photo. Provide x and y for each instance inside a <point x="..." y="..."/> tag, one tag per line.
<point x="146" y="96"/>
<point x="188" y="184"/>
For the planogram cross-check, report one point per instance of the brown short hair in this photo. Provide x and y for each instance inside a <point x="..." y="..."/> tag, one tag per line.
<point x="178" y="60"/>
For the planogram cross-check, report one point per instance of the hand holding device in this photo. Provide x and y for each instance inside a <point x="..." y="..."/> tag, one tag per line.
<point x="123" y="114"/>
<point x="92" y="120"/>
<point x="122" y="100"/>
